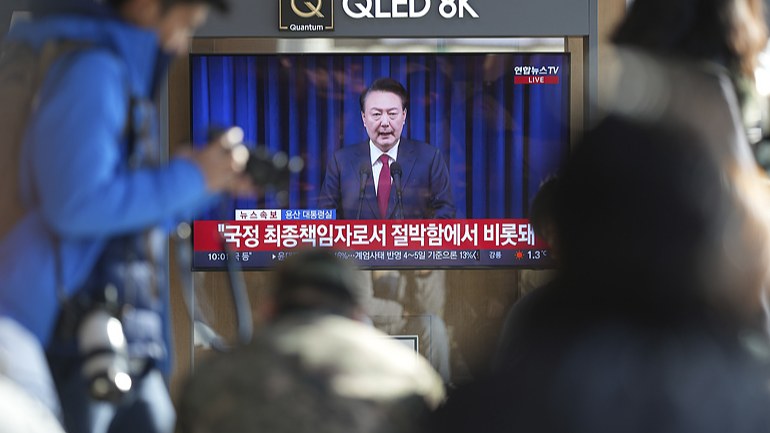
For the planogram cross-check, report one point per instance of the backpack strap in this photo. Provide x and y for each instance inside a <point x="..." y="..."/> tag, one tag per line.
<point x="22" y="72"/>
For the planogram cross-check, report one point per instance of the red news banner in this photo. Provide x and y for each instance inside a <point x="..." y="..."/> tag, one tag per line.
<point x="492" y="234"/>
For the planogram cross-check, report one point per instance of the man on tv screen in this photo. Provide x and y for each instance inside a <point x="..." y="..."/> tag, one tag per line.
<point x="388" y="176"/>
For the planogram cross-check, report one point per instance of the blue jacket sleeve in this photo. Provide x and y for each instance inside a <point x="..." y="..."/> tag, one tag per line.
<point x="77" y="166"/>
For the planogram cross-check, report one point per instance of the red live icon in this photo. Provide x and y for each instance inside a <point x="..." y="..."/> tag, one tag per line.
<point x="536" y="79"/>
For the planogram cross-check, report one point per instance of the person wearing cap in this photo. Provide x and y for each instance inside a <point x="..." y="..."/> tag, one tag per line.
<point x="314" y="367"/>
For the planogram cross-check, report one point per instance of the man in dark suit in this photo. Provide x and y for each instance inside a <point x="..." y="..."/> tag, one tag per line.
<point x="424" y="178"/>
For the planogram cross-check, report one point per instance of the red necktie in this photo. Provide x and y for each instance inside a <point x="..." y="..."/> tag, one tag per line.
<point x="383" y="186"/>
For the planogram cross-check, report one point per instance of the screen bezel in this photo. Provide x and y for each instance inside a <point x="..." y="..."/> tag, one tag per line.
<point x="439" y="51"/>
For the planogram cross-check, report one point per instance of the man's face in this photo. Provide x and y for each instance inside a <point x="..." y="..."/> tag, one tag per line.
<point x="384" y="118"/>
<point x="177" y="25"/>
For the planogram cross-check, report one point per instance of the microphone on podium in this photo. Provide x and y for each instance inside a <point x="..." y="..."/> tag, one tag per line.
<point x="363" y="175"/>
<point x="396" y="172"/>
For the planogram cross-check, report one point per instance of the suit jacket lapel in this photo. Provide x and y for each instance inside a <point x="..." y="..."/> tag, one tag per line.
<point x="370" y="195"/>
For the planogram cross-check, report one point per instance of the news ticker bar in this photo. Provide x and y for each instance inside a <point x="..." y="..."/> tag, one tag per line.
<point x="366" y="235"/>
<point x="386" y="259"/>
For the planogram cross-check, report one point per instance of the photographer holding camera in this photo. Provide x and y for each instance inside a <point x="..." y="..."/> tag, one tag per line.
<point x="83" y="266"/>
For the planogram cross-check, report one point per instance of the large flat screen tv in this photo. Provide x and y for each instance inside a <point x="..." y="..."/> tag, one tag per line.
<point x="500" y="123"/>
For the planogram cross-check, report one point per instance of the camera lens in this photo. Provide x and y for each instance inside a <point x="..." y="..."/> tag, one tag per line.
<point x="268" y="169"/>
<point x="102" y="345"/>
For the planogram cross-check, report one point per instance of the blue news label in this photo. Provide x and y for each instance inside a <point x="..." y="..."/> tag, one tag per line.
<point x="284" y="214"/>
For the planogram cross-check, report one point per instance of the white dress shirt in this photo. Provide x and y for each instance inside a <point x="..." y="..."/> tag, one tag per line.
<point x="375" y="153"/>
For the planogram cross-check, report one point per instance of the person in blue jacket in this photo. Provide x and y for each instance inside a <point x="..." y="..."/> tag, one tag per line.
<point x="99" y="200"/>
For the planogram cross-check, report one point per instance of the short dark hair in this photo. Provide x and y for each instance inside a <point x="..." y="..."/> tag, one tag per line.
<point x="721" y="30"/>
<point x="651" y="208"/>
<point x="385" y="84"/>
<point x="315" y="280"/>
<point x="220" y="5"/>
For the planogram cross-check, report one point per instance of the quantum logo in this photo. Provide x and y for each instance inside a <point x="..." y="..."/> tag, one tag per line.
<point x="314" y="10"/>
<point x="305" y="15"/>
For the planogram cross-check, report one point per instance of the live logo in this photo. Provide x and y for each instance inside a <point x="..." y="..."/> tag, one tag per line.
<point x="536" y="79"/>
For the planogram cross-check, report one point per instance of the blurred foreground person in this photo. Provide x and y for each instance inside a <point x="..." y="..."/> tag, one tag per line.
<point x="543" y="220"/>
<point x="542" y="216"/>
<point x="24" y="408"/>
<point x="314" y="368"/>
<point x="87" y="201"/>
<point x="652" y="325"/>
<point x="22" y="412"/>
<point x="691" y="63"/>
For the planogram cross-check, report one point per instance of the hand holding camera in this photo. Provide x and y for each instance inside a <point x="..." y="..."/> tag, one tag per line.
<point x="223" y="163"/>
<point x="230" y="166"/>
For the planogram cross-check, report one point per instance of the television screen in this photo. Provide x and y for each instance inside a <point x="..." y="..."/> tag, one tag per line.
<point x="481" y="133"/>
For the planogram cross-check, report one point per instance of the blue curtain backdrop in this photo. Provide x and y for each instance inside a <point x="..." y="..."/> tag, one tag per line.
<point x="500" y="140"/>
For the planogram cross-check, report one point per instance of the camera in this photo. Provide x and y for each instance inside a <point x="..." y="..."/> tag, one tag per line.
<point x="103" y="348"/>
<point x="273" y="171"/>
<point x="269" y="170"/>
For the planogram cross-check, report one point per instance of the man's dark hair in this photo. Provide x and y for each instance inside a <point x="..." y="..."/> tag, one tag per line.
<point x="385" y="84"/>
<point x="625" y="194"/>
<point x="220" y="5"/>
<point x="650" y="209"/>
<point x="315" y="280"/>
<point x="719" y="30"/>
